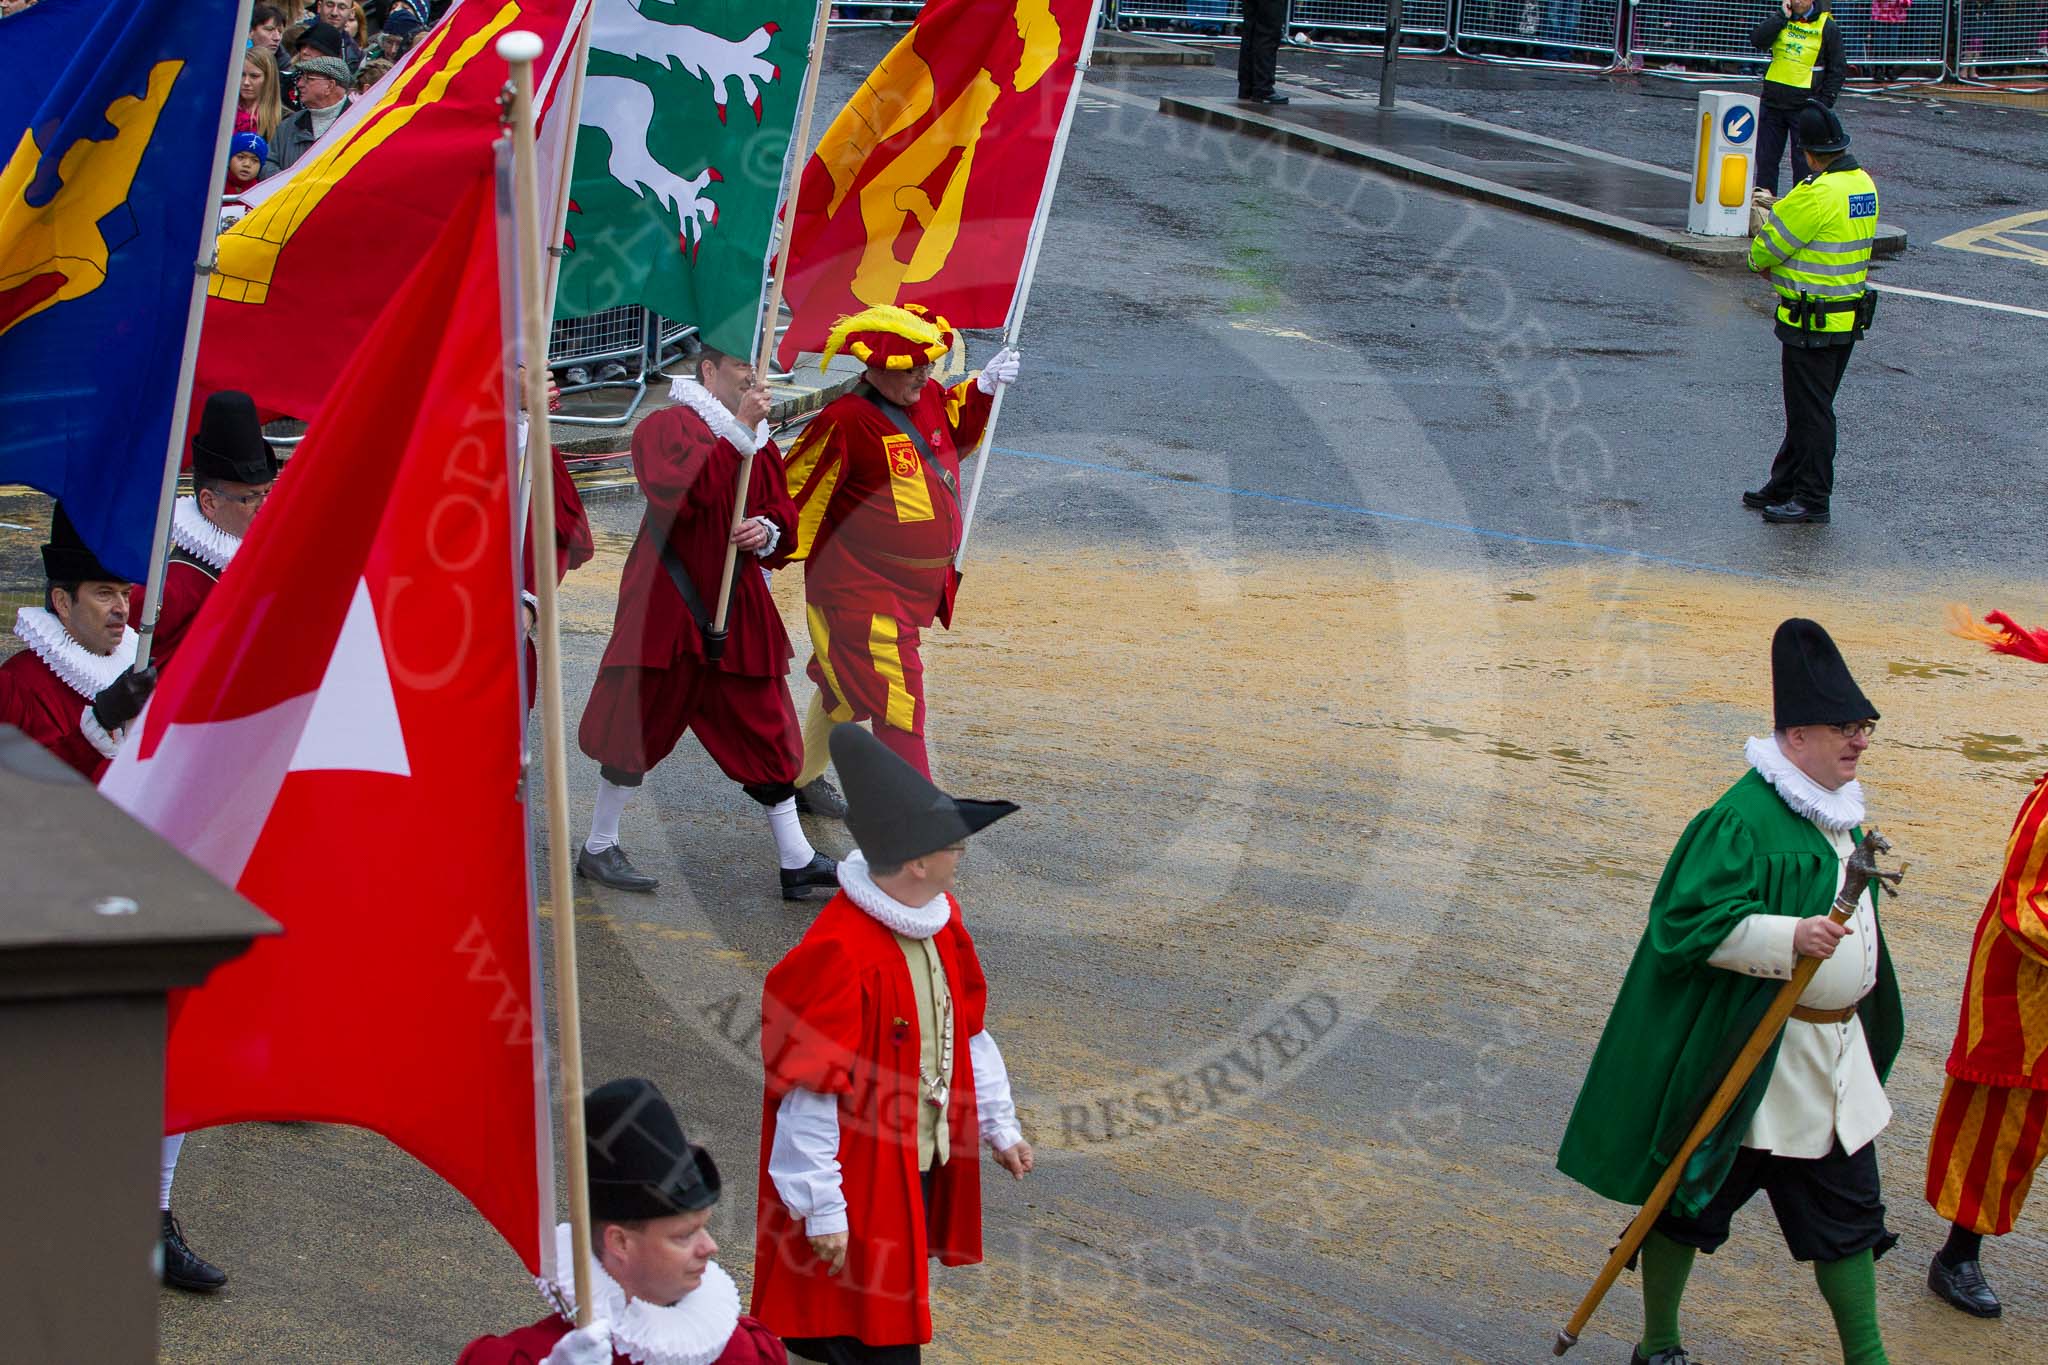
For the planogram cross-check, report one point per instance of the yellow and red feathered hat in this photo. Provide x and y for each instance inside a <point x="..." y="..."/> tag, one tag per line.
<point x="2001" y="632"/>
<point x="891" y="337"/>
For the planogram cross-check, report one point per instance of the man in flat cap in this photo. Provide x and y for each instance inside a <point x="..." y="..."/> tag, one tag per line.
<point x="657" y="1297"/>
<point x="324" y="81"/>
<point x="876" y="480"/>
<point x="233" y="469"/>
<point x="1744" y="896"/>
<point x="1991" y="1132"/>
<point x="882" y="1082"/>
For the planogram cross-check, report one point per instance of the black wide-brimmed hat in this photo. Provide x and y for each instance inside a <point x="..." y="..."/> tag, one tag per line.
<point x="1810" y="683"/>
<point x="1820" y="129"/>
<point x="641" y="1165"/>
<point x="229" y="443"/>
<point x="67" y="558"/>
<point x="893" y="811"/>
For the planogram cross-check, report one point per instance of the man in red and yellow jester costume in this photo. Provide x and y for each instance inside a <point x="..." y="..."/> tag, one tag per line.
<point x="1992" y="1128"/>
<point x="876" y="479"/>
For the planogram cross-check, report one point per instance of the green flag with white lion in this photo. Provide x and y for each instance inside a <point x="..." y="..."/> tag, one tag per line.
<point x="685" y="126"/>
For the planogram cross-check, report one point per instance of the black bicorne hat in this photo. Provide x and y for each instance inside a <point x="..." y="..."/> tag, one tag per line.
<point x="893" y="811"/>
<point x="1810" y="683"/>
<point x="67" y="558"/>
<point x="641" y="1165"/>
<point x="229" y="443"/>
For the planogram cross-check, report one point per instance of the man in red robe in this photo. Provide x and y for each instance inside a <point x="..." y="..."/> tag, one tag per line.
<point x="657" y="1297"/>
<point x="655" y="679"/>
<point x="1991" y="1132"/>
<point x="74" y="688"/>
<point x="876" y="479"/>
<point x="233" y="469"/>
<point x="882" y="1082"/>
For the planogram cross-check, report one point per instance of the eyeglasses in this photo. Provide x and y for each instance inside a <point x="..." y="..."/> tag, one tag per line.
<point x="254" y="499"/>
<point x="1850" y="729"/>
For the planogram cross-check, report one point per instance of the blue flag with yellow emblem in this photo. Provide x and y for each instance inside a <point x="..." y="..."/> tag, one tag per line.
<point x="110" y="115"/>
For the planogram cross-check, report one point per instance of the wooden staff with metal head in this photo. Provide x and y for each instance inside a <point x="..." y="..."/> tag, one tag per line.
<point x="1860" y="871"/>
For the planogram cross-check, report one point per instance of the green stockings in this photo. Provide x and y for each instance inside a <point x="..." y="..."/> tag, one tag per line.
<point x="1850" y="1287"/>
<point x="1666" y="1265"/>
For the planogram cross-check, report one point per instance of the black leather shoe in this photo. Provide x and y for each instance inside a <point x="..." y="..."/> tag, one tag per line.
<point x="1675" y="1356"/>
<point x="820" y="874"/>
<point x="185" y="1268"/>
<point x="1963" y="1286"/>
<point x="610" y="868"/>
<point x="1269" y="99"/>
<point x="821" y="798"/>
<point x="1791" y="511"/>
<point x="1757" y="501"/>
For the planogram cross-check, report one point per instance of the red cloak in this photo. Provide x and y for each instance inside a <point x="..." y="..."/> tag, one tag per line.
<point x="46" y="709"/>
<point x="688" y="474"/>
<point x="839" y="1017"/>
<point x="751" y="1344"/>
<point x="186" y="586"/>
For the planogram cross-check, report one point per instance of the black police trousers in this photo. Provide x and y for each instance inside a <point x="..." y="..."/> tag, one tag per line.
<point x="1258" y="56"/>
<point x="1804" y="467"/>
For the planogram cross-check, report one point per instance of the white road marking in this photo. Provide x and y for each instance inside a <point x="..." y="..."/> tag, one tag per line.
<point x="1953" y="298"/>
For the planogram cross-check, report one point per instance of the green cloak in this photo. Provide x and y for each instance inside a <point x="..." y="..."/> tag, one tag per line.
<point x="1678" y="1023"/>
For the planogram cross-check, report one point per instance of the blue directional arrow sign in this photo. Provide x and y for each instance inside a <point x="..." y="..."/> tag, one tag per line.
<point x="1738" y="123"/>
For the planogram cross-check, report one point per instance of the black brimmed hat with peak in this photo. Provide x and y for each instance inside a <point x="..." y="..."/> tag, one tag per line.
<point x="893" y="811"/>
<point x="68" y="559"/>
<point x="641" y="1165"/>
<point x="229" y="444"/>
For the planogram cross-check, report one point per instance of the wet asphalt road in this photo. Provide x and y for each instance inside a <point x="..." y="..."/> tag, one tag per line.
<point x="1350" y="616"/>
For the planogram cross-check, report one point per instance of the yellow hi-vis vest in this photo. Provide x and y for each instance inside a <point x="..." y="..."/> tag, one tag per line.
<point x="1816" y="243"/>
<point x="1795" y="50"/>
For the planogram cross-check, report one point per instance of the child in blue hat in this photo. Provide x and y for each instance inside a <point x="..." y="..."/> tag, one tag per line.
<point x="246" y="154"/>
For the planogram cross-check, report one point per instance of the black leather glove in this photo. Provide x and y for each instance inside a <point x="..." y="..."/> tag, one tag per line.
<point x="120" y="701"/>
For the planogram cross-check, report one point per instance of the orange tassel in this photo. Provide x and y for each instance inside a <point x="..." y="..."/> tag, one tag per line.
<point x="2003" y="634"/>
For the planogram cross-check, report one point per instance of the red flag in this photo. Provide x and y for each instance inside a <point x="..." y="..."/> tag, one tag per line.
<point x="925" y="186"/>
<point x="304" y="274"/>
<point x="342" y="744"/>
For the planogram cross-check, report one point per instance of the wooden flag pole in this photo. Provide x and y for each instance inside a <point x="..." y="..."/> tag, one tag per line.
<point x="799" y="147"/>
<point x="1014" y="326"/>
<point x="520" y="49"/>
<point x="195" y="315"/>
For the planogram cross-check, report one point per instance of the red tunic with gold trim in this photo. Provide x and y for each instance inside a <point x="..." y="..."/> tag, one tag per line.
<point x="1991" y="1131"/>
<point x="832" y="1013"/>
<point x="877" y="524"/>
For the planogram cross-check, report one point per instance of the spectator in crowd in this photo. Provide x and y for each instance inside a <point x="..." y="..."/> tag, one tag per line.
<point x="340" y="15"/>
<point x="373" y="71"/>
<point x="1888" y="19"/>
<point x="1808" y="62"/>
<point x="401" y="29"/>
<point x="261" y="108"/>
<point x="8" y="7"/>
<point x="246" y="155"/>
<point x="323" y="90"/>
<point x="266" y="30"/>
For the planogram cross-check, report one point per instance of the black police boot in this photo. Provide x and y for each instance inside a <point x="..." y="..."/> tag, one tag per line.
<point x="821" y="798"/>
<point x="1760" y="499"/>
<point x="1792" y="511"/>
<point x="820" y="874"/>
<point x="610" y="868"/>
<point x="185" y="1268"/>
<point x="1963" y="1285"/>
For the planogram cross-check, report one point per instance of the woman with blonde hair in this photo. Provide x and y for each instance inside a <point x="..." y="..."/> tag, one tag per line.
<point x="261" y="106"/>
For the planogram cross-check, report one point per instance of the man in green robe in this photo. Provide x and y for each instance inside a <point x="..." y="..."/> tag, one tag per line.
<point x="1745" y="895"/>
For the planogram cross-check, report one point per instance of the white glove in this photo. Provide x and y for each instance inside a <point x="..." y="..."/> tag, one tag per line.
<point x="590" y="1345"/>
<point x="1001" y="369"/>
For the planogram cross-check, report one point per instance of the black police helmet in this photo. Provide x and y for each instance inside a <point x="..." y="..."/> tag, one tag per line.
<point x="1820" y="130"/>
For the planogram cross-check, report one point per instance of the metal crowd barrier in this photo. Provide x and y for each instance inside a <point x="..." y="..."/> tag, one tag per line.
<point x="1549" y="32"/>
<point x="875" y="15"/>
<point x="1206" y="18"/>
<point x="619" y="335"/>
<point x="1715" y="31"/>
<point x="1365" y="22"/>
<point x="2001" y="33"/>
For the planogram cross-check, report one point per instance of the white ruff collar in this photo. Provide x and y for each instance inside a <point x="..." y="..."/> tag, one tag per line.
<point x="908" y="920"/>
<point x="200" y="538"/>
<point x="81" y="670"/>
<point x="693" y="1331"/>
<point x="714" y="414"/>
<point x="1837" y="810"/>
